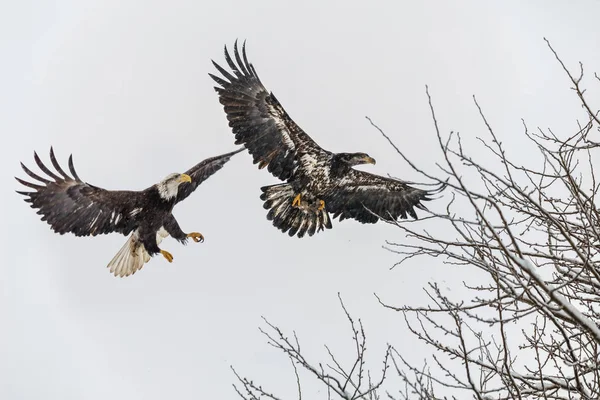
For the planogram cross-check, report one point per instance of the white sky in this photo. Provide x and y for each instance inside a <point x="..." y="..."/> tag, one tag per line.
<point x="123" y="85"/>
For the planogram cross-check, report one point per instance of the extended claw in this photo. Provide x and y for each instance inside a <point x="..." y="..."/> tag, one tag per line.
<point x="321" y="205"/>
<point x="196" y="236"/>
<point x="296" y="201"/>
<point x="167" y="255"/>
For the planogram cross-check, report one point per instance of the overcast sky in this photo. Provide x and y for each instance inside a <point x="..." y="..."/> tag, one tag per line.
<point x="123" y="85"/>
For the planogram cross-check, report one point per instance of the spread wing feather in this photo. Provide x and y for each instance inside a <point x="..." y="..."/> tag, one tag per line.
<point x="367" y="197"/>
<point x="259" y="121"/>
<point x="202" y="171"/>
<point x="70" y="205"/>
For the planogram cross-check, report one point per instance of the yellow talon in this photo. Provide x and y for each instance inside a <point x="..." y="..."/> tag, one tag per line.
<point x="196" y="236"/>
<point x="321" y="205"/>
<point x="296" y="202"/>
<point x="167" y="255"/>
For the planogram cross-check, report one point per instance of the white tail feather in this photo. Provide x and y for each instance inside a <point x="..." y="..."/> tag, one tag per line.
<point x="133" y="255"/>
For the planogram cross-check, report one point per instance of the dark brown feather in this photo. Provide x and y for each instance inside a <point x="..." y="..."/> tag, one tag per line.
<point x="202" y="171"/>
<point x="367" y="198"/>
<point x="70" y="205"/>
<point x="259" y="121"/>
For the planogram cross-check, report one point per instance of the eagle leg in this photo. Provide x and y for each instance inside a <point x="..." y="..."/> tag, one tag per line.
<point x="296" y="201"/>
<point x="321" y="205"/>
<point x="196" y="236"/>
<point x="167" y="255"/>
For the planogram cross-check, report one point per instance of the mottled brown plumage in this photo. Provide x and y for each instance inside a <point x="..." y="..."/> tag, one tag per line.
<point x="319" y="182"/>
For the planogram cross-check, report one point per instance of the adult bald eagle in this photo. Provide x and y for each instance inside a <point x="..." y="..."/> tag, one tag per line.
<point x="319" y="182"/>
<point x="70" y="205"/>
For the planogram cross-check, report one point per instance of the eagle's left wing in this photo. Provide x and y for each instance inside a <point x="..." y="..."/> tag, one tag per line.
<point x="202" y="171"/>
<point x="364" y="196"/>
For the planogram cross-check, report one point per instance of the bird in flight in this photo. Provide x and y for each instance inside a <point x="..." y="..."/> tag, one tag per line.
<point x="319" y="184"/>
<point x="69" y="204"/>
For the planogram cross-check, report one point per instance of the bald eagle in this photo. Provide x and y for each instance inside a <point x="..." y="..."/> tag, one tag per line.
<point x="318" y="182"/>
<point x="70" y="205"/>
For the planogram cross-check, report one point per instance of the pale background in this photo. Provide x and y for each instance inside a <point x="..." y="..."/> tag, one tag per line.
<point x="123" y="85"/>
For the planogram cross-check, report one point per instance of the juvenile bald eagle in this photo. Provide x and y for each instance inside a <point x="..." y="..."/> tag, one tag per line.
<point x="319" y="182"/>
<point x="70" y="205"/>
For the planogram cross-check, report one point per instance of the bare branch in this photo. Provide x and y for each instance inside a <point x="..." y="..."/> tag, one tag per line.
<point x="526" y="237"/>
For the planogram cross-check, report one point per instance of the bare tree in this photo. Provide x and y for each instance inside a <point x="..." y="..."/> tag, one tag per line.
<point x="350" y="382"/>
<point x="530" y="329"/>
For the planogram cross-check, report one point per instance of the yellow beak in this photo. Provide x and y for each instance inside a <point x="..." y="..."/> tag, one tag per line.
<point x="369" y="160"/>
<point x="185" y="178"/>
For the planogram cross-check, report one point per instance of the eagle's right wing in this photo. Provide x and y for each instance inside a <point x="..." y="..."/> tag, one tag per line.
<point x="71" y="205"/>
<point x="260" y="122"/>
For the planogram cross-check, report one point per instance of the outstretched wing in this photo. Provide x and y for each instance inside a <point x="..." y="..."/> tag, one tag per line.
<point x="260" y="122"/>
<point x="201" y="172"/>
<point x="71" y="205"/>
<point x="367" y="197"/>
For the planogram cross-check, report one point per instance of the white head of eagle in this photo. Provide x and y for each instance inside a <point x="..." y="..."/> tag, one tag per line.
<point x="167" y="188"/>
